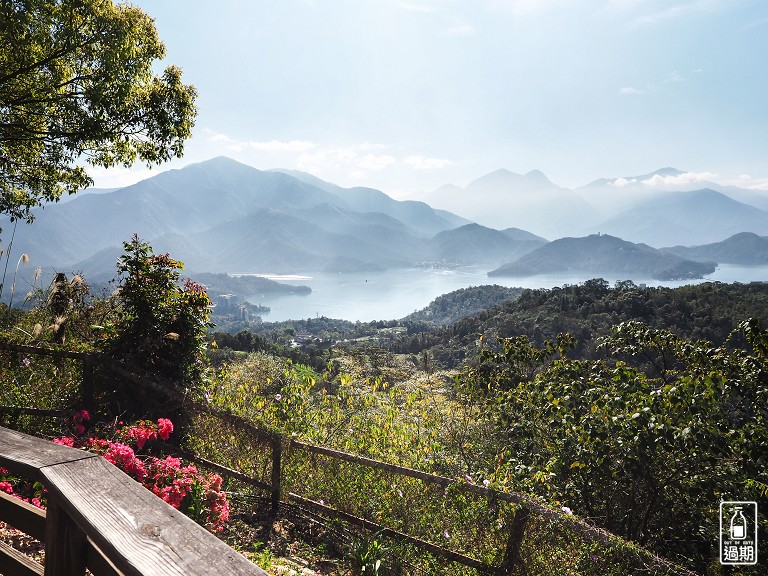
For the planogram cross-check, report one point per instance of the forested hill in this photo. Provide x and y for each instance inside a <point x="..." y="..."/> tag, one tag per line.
<point x="707" y="311"/>
<point x="451" y="307"/>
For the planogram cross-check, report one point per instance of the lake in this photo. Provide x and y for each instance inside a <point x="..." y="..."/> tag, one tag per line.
<point x="393" y="294"/>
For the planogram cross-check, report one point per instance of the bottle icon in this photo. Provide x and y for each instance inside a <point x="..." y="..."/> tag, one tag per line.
<point x="738" y="525"/>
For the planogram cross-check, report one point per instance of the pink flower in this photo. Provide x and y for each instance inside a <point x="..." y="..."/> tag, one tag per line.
<point x="170" y="478"/>
<point x="175" y="493"/>
<point x="6" y="487"/>
<point x="142" y="433"/>
<point x="165" y="427"/>
<point x="123" y="457"/>
<point x="81" y="416"/>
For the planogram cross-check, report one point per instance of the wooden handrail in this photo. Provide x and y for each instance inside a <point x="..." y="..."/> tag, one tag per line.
<point x="99" y="517"/>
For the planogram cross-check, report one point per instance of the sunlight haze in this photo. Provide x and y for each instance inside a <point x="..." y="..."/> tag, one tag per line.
<point x="406" y="96"/>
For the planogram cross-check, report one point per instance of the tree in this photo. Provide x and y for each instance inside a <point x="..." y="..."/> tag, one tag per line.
<point x="76" y="85"/>
<point x="161" y="325"/>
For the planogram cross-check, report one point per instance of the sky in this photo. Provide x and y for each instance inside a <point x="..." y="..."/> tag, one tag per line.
<point x="409" y="95"/>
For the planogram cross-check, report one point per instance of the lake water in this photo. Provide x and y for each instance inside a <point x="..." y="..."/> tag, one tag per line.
<point x="393" y="294"/>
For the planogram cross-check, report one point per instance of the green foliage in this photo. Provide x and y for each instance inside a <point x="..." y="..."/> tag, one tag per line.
<point x="41" y="382"/>
<point x="588" y="311"/>
<point x="366" y="555"/>
<point x="648" y="443"/>
<point x="262" y="555"/>
<point x="76" y="82"/>
<point x="159" y="326"/>
<point x="451" y="307"/>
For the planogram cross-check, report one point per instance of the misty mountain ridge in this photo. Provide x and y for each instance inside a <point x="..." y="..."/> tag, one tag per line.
<point x="504" y="199"/>
<point x="223" y="216"/>
<point x="473" y="244"/>
<point x="602" y="254"/>
<point x="744" y="249"/>
<point x="689" y="218"/>
<point x="660" y="208"/>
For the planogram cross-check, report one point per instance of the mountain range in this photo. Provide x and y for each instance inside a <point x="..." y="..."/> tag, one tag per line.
<point x="661" y="208"/>
<point x="223" y="216"/>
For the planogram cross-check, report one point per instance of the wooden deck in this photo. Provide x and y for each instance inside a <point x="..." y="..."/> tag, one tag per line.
<point x="100" y="518"/>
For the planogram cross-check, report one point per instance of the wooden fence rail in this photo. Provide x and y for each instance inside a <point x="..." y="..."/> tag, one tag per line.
<point x="99" y="518"/>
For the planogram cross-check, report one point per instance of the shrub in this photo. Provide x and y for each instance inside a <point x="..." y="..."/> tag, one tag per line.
<point x="198" y="495"/>
<point x="160" y="324"/>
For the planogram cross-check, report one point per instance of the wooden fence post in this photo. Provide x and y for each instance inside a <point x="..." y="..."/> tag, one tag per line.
<point x="516" y="533"/>
<point x="87" y="391"/>
<point x="277" y="452"/>
<point x="66" y="546"/>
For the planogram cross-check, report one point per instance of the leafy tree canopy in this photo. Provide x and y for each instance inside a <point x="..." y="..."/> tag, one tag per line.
<point x="76" y="83"/>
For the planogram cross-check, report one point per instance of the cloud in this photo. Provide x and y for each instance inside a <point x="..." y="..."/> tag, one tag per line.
<point x="375" y="163"/>
<point x="425" y="163"/>
<point x="674" y="76"/>
<point x="668" y="181"/>
<point x="682" y="10"/>
<point x="329" y="161"/>
<point x="658" y="180"/>
<point x="354" y="161"/>
<point x="280" y="146"/>
<point x="120" y="177"/>
<point x="747" y="181"/>
<point x="268" y="146"/>
<point x="621" y="182"/>
<point x="629" y="90"/>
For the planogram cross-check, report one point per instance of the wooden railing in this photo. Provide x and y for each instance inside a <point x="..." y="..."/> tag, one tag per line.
<point x="98" y="517"/>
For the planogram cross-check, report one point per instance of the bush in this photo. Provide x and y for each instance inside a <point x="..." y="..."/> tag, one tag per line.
<point x="160" y="325"/>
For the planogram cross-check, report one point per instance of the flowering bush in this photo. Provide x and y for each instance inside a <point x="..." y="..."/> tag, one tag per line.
<point x="146" y="430"/>
<point x="198" y="495"/>
<point x="34" y="493"/>
<point x="78" y="421"/>
<point x="161" y="324"/>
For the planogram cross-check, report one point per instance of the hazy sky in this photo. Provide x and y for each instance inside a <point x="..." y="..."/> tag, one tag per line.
<point x="408" y="95"/>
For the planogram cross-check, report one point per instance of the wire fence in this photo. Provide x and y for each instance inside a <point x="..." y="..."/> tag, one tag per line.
<point x="438" y="525"/>
<point x="455" y="528"/>
<point x="421" y="523"/>
<point x="41" y="387"/>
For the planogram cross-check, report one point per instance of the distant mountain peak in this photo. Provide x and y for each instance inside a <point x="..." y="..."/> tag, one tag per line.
<point x="663" y="172"/>
<point x="667" y="171"/>
<point x="538" y="176"/>
<point x="503" y="178"/>
<point x="219" y="161"/>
